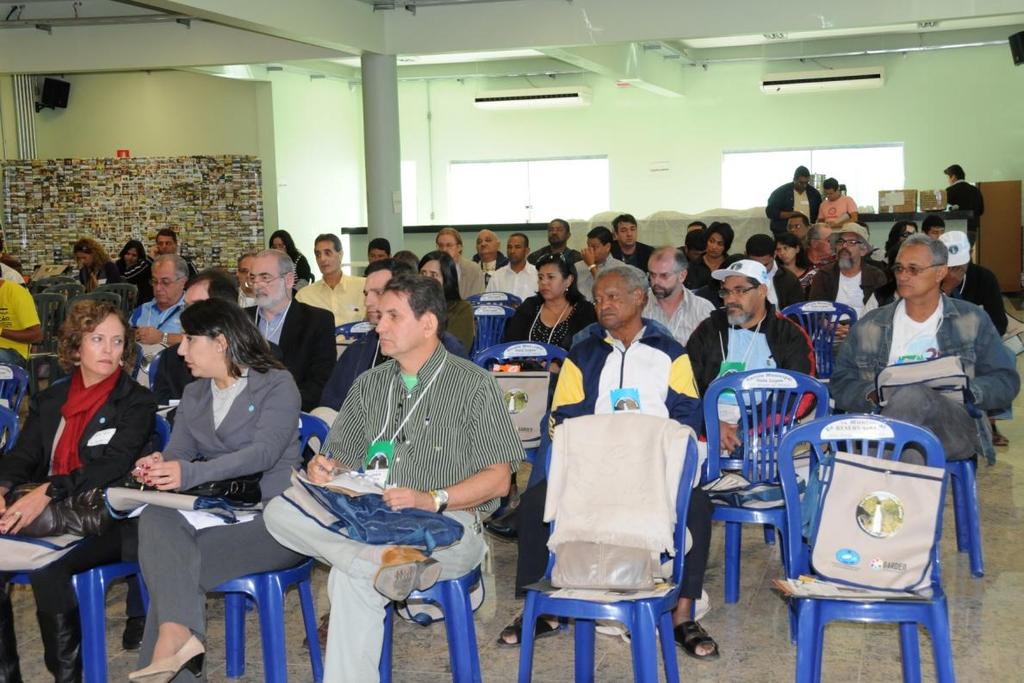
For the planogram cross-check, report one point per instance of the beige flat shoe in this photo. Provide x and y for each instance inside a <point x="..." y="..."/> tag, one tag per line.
<point x="190" y="657"/>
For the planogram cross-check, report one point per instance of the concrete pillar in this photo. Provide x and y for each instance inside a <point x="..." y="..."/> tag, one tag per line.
<point x="382" y="150"/>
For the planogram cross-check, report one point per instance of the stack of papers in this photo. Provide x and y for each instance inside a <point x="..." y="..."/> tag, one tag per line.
<point x="811" y="587"/>
<point x="350" y="482"/>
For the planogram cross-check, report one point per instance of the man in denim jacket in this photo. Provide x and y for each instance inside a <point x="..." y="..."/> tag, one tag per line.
<point x="925" y="324"/>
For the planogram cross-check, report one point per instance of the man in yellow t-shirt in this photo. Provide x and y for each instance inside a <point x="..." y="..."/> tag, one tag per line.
<point x="19" y="323"/>
<point x="336" y="292"/>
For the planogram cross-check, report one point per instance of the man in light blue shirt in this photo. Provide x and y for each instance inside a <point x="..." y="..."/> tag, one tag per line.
<point x="159" y="321"/>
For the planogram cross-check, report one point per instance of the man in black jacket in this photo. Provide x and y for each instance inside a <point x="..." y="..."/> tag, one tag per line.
<point x="625" y="247"/>
<point x="791" y="199"/>
<point x="971" y="282"/>
<point x="783" y="287"/>
<point x="304" y="334"/>
<point x="964" y="196"/>
<point x="849" y="280"/>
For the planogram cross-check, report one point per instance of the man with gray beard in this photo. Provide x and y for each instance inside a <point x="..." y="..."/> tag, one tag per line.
<point x="748" y="333"/>
<point x="669" y="303"/>
<point x="849" y="280"/>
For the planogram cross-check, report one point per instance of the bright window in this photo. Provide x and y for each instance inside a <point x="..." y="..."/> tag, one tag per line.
<point x="409" y="214"/>
<point x="528" y="191"/>
<point x="749" y="177"/>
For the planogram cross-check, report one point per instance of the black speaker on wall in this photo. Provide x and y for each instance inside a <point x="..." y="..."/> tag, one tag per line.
<point x="53" y="95"/>
<point x="1017" y="47"/>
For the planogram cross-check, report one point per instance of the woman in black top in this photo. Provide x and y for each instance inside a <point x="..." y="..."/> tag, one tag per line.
<point x="716" y="255"/>
<point x="556" y="312"/>
<point x="136" y="268"/>
<point x="282" y="241"/>
<point x="94" y="266"/>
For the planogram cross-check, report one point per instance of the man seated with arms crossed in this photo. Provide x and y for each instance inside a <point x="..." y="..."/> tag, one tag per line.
<point x="519" y="276"/>
<point x="672" y="305"/>
<point x="303" y="334"/>
<point x="365" y="352"/>
<point x="748" y="333"/>
<point x="623" y="356"/>
<point x="451" y="443"/>
<point x="596" y="257"/>
<point x="157" y="322"/>
<point x="336" y="292"/>
<point x="925" y="324"/>
<point x="19" y="323"/>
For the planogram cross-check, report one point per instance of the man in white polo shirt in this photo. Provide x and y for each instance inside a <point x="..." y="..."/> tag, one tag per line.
<point x="519" y="277"/>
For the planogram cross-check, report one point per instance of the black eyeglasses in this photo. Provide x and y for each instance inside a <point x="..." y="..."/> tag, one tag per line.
<point x="724" y="293"/>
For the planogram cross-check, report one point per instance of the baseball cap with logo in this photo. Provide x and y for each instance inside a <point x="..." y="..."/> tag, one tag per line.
<point x="958" y="246"/>
<point x="745" y="268"/>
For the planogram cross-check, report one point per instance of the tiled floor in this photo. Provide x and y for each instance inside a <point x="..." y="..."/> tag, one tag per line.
<point x="987" y="617"/>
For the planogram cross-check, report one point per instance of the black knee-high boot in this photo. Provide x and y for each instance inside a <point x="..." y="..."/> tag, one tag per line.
<point x="62" y="645"/>
<point x="10" y="671"/>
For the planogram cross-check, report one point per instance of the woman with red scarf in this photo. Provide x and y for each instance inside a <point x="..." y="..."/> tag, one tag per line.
<point x="81" y="433"/>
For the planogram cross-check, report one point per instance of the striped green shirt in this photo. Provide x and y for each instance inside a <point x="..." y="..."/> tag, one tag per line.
<point x="459" y="427"/>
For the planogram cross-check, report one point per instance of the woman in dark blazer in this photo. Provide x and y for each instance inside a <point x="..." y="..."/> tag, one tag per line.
<point x="95" y="267"/>
<point x="239" y="417"/>
<point x="81" y="434"/>
<point x="136" y="268"/>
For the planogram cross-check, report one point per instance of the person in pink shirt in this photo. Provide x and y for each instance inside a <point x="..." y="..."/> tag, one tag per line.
<point x="836" y="209"/>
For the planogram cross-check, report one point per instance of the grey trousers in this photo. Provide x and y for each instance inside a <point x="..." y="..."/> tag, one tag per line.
<point x="356" y="631"/>
<point x="180" y="564"/>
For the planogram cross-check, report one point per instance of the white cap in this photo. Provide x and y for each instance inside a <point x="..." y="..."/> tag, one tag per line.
<point x="745" y="268"/>
<point x="958" y="246"/>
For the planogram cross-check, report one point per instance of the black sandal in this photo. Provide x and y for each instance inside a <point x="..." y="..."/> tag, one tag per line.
<point x="690" y="635"/>
<point x="543" y="629"/>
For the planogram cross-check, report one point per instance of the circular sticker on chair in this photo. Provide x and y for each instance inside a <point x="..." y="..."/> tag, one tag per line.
<point x="516" y="400"/>
<point x="880" y="514"/>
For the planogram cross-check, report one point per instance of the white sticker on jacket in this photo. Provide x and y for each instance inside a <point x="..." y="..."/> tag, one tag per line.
<point x="102" y="437"/>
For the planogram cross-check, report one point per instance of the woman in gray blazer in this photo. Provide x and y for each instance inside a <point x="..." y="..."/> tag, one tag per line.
<point x="239" y="417"/>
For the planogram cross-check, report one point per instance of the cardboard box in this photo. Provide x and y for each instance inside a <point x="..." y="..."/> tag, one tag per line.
<point x="932" y="200"/>
<point x="897" y="201"/>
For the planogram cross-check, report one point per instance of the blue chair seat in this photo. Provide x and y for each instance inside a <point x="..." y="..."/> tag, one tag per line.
<point x="267" y="590"/>
<point x="452" y="597"/>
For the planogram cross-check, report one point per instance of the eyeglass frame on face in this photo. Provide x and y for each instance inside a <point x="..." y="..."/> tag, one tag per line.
<point x="849" y="242"/>
<point x="913" y="270"/>
<point x="724" y="293"/>
<point x="264" y="278"/>
<point x="165" y="282"/>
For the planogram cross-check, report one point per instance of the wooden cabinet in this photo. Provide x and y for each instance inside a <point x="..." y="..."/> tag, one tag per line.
<point x="999" y="236"/>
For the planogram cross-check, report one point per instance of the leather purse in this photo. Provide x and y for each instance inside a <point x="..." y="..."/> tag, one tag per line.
<point x="603" y="566"/>
<point x="81" y="514"/>
<point x="241" y="491"/>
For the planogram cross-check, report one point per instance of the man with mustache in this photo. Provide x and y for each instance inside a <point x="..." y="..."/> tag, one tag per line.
<point x="849" y="280"/>
<point x="748" y="333"/>
<point x="670" y="303"/>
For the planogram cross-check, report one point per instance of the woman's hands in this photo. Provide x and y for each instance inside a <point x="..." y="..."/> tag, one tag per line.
<point x="143" y="465"/>
<point x="25" y="510"/>
<point x="153" y="470"/>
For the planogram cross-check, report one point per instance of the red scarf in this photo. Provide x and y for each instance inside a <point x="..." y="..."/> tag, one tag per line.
<point x="78" y="410"/>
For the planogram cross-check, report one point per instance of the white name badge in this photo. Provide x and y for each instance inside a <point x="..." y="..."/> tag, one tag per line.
<point x="102" y="437"/>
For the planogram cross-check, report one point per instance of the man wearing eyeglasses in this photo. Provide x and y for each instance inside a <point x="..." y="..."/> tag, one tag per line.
<point x="925" y="324"/>
<point x="747" y="333"/>
<point x="302" y="334"/>
<point x="157" y="322"/>
<point x="849" y="280"/>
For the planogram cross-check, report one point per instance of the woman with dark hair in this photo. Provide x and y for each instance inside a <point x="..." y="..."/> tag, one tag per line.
<point x="556" y="312"/>
<point x="791" y="254"/>
<point x="136" y="267"/>
<point x="239" y="418"/>
<point x="719" y="237"/>
<point x="899" y="232"/>
<point x="94" y="266"/>
<point x="440" y="266"/>
<point x="81" y="435"/>
<point x="282" y="241"/>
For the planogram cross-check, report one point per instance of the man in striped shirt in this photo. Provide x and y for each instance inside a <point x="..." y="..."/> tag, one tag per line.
<point x="451" y="443"/>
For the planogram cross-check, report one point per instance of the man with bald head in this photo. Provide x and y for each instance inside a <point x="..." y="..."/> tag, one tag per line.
<point x="488" y="254"/>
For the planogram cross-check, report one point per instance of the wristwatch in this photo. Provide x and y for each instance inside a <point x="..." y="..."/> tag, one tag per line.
<point x="163" y="339"/>
<point x="440" y="497"/>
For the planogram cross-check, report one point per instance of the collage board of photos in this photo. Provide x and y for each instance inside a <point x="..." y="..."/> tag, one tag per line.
<point x="214" y="203"/>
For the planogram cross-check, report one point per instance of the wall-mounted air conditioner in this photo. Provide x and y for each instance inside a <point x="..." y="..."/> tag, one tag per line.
<point x="534" y="98"/>
<point x="819" y="81"/>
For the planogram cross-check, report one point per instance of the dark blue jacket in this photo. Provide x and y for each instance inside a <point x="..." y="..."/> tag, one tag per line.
<point x="782" y="200"/>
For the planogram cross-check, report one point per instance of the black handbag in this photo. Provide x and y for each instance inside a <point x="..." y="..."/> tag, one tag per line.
<point x="240" y="491"/>
<point x="81" y="514"/>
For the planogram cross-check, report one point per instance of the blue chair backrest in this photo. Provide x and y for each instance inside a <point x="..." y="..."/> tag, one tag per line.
<point x="140" y="357"/>
<point x="770" y="401"/>
<point x="13" y="385"/>
<point x="353" y="330"/>
<point x="8" y="429"/>
<point x="819" y="319"/>
<point x="310" y="426"/>
<point x="162" y="429"/>
<point x="490" y="325"/>
<point x="153" y="365"/>
<point x="493" y="298"/>
<point x="869" y="435"/>
<point x="682" y="506"/>
<point x="512" y="352"/>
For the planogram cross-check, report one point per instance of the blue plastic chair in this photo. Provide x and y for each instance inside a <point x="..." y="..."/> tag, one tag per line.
<point x="883" y="438"/>
<point x="354" y="330"/>
<point x="139" y="360"/>
<point x="819" y="319"/>
<point x="162" y="429"/>
<point x="494" y="298"/>
<point x="452" y="597"/>
<point x="13" y="388"/>
<point x="8" y="429"/>
<point x="267" y="590"/>
<point x="770" y="402"/>
<point x="649" y="620"/>
<point x="490" y="325"/>
<point x="966" y="511"/>
<point x="310" y="426"/>
<point x="153" y="365"/>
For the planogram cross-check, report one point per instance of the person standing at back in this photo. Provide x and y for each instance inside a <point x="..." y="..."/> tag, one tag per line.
<point x="962" y="196"/>
<point x="790" y="199"/>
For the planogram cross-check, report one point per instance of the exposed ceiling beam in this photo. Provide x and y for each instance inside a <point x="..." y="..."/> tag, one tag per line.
<point x="629" y="63"/>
